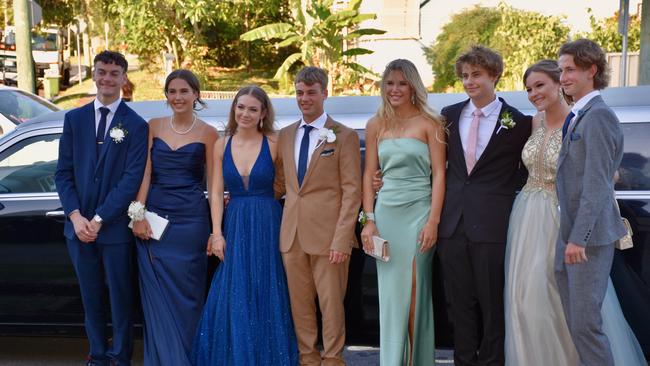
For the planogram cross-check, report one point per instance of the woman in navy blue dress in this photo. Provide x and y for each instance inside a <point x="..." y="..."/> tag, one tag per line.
<point x="247" y="318"/>
<point x="172" y="270"/>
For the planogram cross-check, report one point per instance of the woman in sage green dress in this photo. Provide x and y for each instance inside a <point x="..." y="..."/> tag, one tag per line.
<point x="406" y="140"/>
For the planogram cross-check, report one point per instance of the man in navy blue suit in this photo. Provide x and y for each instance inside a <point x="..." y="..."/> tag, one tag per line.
<point x="102" y="155"/>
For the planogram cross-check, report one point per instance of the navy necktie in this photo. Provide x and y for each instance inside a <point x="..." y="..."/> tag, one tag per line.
<point x="303" y="154"/>
<point x="101" y="128"/>
<point x="567" y="122"/>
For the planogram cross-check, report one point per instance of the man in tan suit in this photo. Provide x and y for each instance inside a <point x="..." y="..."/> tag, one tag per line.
<point x="319" y="170"/>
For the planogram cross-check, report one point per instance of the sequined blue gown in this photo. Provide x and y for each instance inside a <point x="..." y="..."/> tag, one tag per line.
<point x="247" y="319"/>
<point x="173" y="271"/>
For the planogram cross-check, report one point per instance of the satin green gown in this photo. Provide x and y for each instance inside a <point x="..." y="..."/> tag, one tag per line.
<point x="402" y="209"/>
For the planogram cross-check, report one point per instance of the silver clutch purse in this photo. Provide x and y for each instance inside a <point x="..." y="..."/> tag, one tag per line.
<point x="626" y="241"/>
<point x="380" y="249"/>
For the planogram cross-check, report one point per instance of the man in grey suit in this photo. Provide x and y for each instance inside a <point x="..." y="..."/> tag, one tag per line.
<point x="590" y="224"/>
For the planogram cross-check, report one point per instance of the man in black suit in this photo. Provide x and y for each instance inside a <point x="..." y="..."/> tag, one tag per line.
<point x="484" y="172"/>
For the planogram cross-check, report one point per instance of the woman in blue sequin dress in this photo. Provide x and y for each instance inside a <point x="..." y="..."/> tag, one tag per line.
<point x="173" y="270"/>
<point x="247" y="319"/>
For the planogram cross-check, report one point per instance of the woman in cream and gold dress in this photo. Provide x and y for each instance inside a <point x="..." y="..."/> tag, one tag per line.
<point x="536" y="329"/>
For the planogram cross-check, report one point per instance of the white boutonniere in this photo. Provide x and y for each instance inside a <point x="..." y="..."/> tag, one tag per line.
<point x="326" y="135"/>
<point x="118" y="133"/>
<point x="506" y="122"/>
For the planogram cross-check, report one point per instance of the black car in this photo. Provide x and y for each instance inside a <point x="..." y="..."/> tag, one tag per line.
<point x="39" y="289"/>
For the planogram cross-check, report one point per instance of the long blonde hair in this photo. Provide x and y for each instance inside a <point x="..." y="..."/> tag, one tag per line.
<point x="386" y="113"/>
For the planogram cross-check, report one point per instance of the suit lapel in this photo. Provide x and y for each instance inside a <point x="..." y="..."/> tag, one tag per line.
<point x="118" y="118"/>
<point x="289" y="153"/>
<point x="454" y="134"/>
<point x="89" y="131"/>
<point x="572" y="127"/>
<point x="315" y="156"/>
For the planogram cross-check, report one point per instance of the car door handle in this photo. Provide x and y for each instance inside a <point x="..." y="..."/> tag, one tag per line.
<point x="55" y="214"/>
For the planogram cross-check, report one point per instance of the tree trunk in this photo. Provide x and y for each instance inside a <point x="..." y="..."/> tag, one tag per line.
<point x="644" y="59"/>
<point x="26" y="77"/>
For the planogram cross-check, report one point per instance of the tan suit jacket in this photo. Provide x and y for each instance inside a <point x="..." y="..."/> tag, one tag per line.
<point x="320" y="214"/>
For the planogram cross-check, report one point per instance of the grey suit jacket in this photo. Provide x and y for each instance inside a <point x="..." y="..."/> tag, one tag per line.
<point x="591" y="153"/>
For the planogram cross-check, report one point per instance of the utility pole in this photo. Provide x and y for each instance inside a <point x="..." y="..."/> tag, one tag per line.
<point x="644" y="59"/>
<point x="25" y="69"/>
<point x="623" y="26"/>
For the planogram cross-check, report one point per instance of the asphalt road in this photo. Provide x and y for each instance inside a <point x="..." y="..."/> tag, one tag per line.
<point x="51" y="351"/>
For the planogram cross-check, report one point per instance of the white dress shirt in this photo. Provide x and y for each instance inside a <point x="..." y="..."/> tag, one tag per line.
<point x="112" y="107"/>
<point x="318" y="124"/>
<point x="582" y="102"/>
<point x="486" y="126"/>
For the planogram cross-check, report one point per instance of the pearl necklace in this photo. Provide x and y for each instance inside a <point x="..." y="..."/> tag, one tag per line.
<point x="171" y="125"/>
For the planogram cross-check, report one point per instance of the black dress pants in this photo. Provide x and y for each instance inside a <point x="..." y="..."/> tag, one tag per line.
<point x="473" y="277"/>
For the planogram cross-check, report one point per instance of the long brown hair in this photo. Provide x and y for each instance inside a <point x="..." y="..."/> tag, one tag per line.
<point x="551" y="69"/>
<point x="258" y="93"/>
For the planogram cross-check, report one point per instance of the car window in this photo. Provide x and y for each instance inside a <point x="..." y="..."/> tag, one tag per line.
<point x="634" y="173"/>
<point x="29" y="165"/>
<point x="19" y="106"/>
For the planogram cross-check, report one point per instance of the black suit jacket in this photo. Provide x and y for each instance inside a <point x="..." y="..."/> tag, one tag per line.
<point x="484" y="198"/>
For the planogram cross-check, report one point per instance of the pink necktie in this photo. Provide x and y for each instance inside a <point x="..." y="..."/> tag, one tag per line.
<point x="472" y="140"/>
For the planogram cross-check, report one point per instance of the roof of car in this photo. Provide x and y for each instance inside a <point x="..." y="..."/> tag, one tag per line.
<point x="632" y="104"/>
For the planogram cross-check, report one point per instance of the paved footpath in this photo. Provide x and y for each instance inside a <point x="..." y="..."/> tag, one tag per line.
<point x="60" y="351"/>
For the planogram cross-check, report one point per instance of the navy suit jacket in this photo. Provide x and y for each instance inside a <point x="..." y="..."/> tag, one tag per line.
<point x="483" y="198"/>
<point x="104" y="184"/>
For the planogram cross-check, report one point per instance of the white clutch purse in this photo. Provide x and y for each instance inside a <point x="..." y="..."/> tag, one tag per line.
<point x="380" y="249"/>
<point x="158" y="224"/>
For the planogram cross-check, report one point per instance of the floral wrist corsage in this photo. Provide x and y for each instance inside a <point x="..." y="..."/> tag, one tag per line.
<point x="136" y="211"/>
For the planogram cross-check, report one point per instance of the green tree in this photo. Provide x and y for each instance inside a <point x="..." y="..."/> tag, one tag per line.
<point x="472" y="26"/>
<point x="605" y="32"/>
<point x="236" y="17"/>
<point x="521" y="37"/>
<point x="324" y="38"/>
<point x="172" y="26"/>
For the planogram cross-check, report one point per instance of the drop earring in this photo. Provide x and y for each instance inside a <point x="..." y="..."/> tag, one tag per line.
<point x="261" y="124"/>
<point x="412" y="98"/>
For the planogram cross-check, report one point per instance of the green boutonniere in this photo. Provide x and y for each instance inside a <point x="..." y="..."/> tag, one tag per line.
<point x="506" y="122"/>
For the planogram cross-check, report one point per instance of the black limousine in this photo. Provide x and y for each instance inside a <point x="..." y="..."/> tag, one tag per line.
<point x="39" y="294"/>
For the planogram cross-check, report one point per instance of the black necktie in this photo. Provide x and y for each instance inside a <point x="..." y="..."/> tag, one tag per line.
<point x="101" y="129"/>
<point x="567" y="122"/>
<point x="303" y="154"/>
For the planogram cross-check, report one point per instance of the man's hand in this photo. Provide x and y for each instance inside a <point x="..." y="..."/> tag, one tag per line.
<point x="574" y="254"/>
<point x="94" y="227"/>
<point x="377" y="181"/>
<point x="337" y="257"/>
<point x="82" y="228"/>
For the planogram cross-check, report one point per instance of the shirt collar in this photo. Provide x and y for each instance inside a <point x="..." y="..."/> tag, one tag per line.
<point x="582" y="102"/>
<point x="318" y="123"/>
<point x="487" y="110"/>
<point x="112" y="107"/>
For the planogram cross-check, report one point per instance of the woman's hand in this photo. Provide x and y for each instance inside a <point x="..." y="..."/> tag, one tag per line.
<point x="369" y="230"/>
<point x="217" y="246"/>
<point x="142" y="229"/>
<point x="428" y="236"/>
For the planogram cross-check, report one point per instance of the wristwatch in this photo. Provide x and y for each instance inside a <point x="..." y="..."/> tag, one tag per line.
<point x="97" y="219"/>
